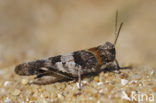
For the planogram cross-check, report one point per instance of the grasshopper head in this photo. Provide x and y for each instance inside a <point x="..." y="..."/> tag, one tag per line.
<point x="107" y="52"/>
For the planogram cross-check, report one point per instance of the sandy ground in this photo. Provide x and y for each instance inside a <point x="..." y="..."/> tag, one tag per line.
<point x="31" y="30"/>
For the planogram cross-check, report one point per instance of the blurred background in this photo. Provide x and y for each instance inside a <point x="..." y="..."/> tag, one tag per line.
<point x="35" y="29"/>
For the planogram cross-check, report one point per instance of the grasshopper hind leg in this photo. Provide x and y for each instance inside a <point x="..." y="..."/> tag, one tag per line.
<point x="48" y="78"/>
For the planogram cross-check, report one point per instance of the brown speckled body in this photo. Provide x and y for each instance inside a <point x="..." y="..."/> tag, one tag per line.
<point x="67" y="66"/>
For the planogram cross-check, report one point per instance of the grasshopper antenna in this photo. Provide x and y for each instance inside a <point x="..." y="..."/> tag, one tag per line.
<point x="117" y="31"/>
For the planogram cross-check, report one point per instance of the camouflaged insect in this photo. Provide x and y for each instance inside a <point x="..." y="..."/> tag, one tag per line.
<point x="72" y="65"/>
